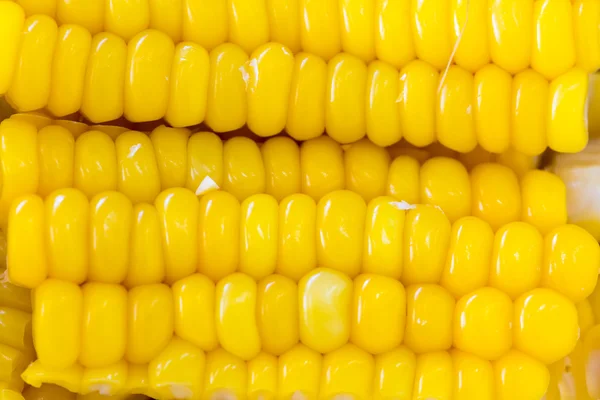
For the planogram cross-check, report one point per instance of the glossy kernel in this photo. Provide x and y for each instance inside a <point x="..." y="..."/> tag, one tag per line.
<point x="393" y="36"/>
<point x="528" y="112"/>
<point x="225" y="375"/>
<point x="473" y="377"/>
<point x="125" y="18"/>
<point x="403" y="182"/>
<point x="56" y="150"/>
<point x="11" y="27"/>
<point x="320" y="27"/>
<point x="511" y="33"/>
<point x="170" y="150"/>
<point x="383" y="113"/>
<point x="470" y="24"/>
<point x="281" y="157"/>
<point x="366" y="167"/>
<point x="430" y="25"/>
<point x="205" y="22"/>
<point x="520" y="376"/>
<point x="322" y="167"/>
<point x="262" y="377"/>
<point x="299" y="371"/>
<point x="586" y="16"/>
<point x="394" y="374"/>
<point x="205" y="159"/>
<point x="433" y="376"/>
<point x="244" y="171"/>
<point x="284" y="23"/>
<point x="544" y="197"/>
<point x="146" y="262"/>
<point x="347" y="371"/>
<point x="259" y="215"/>
<point x="95" y="165"/>
<point x="492" y="92"/>
<point x="248" y="23"/>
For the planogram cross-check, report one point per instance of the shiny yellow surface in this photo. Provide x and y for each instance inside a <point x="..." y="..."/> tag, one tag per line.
<point x="511" y="33"/>
<point x="104" y="329"/>
<point x="566" y="112"/>
<point x="516" y="259"/>
<point x="299" y="371"/>
<point x="347" y="371"/>
<point x="104" y="81"/>
<point x="146" y="263"/>
<point x="426" y="241"/>
<point x="366" y="167"/>
<point x="15" y="297"/>
<point x="204" y="159"/>
<point x="325" y="314"/>
<point x="226" y="375"/>
<point x="393" y="41"/>
<point x="571" y="262"/>
<point x="12" y="19"/>
<point x="284" y="23"/>
<point x="382" y="111"/>
<point x="107" y="381"/>
<point x="470" y="24"/>
<point x="553" y="47"/>
<point x="378" y="313"/>
<point x="205" y="22"/>
<point x="259" y="215"/>
<point x="473" y="377"/>
<point x="26" y="243"/>
<point x="138" y="175"/>
<point x="444" y="182"/>
<point x="528" y="112"/>
<point x="281" y="158"/>
<point x="545" y="325"/>
<point x="146" y="338"/>
<point x="320" y="27"/>
<point x="492" y="91"/>
<point x="56" y="148"/>
<point x="15" y="330"/>
<point x="262" y="377"/>
<point x="248" y="23"/>
<point x="68" y="70"/>
<point x="125" y="18"/>
<point x="95" y="163"/>
<point x="340" y="225"/>
<point x="47" y="392"/>
<point x="322" y="167"/>
<point x="67" y="226"/>
<point x="520" y="376"/>
<point x="469" y="256"/>
<point x="345" y="102"/>
<point x="544" y="200"/>
<point x="110" y="230"/>
<point x="188" y="85"/>
<point x="269" y="77"/>
<point x="169" y="146"/>
<point x="417" y="102"/>
<point x="586" y="16"/>
<point x="70" y="377"/>
<point x="218" y="235"/>
<point x="235" y="305"/>
<point x="482" y="323"/>
<point x="89" y="14"/>
<point x="57" y="323"/>
<point x="358" y="28"/>
<point x="178" y="211"/>
<point x="404" y="179"/>
<point x="394" y="374"/>
<point x="432" y="377"/>
<point x="166" y="16"/>
<point x="297" y="252"/>
<point x="244" y="171"/>
<point x="430" y="25"/>
<point x="277" y="314"/>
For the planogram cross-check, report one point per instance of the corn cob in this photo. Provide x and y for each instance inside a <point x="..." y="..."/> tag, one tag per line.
<point x="273" y="90"/>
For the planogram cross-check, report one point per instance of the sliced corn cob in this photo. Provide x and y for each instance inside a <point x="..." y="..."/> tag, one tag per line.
<point x="149" y="79"/>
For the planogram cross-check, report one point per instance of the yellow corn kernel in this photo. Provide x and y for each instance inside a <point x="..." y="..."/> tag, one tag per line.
<point x="146" y="263"/>
<point x="469" y="256"/>
<point x="38" y="373"/>
<point x="393" y="37"/>
<point x="138" y="176"/>
<point x="482" y="323"/>
<point x="299" y="372"/>
<point x="325" y="317"/>
<point x="306" y="112"/>
<point x="571" y="262"/>
<point x="320" y="28"/>
<point x="258" y="236"/>
<point x="433" y="376"/>
<point x="426" y="242"/>
<point x="15" y="297"/>
<point x="366" y="167"/>
<point x="322" y="163"/>
<point x="345" y="104"/>
<point x="125" y="18"/>
<point x="417" y="102"/>
<point x="188" y="85"/>
<point x="586" y="16"/>
<point x="553" y="48"/>
<point x="12" y="19"/>
<point x="19" y="163"/>
<point x="444" y="182"/>
<point x="237" y="329"/>
<point x="384" y="234"/>
<point x="176" y="372"/>
<point x="226" y="375"/>
<point x="170" y="149"/>
<point x="7" y="394"/>
<point x="68" y="70"/>
<point x="269" y="79"/>
<point x="340" y="226"/>
<point x="166" y="16"/>
<point x="38" y="119"/>
<point x="104" y="82"/>
<point x="30" y="87"/>
<point x="394" y="374"/>
<point x="511" y="23"/>
<point x="57" y="322"/>
<point x="48" y="392"/>
<point x="67" y="228"/>
<point x="149" y="322"/>
<point x="404" y="179"/>
<point x="113" y="131"/>
<point x="137" y="380"/>
<point x="429" y="310"/>
<point x="244" y="171"/>
<point x="455" y="122"/>
<point x="378" y="313"/>
<point x="297" y="253"/>
<point x="357" y="29"/>
<point x="104" y="329"/>
<point x="56" y="148"/>
<point x="76" y="128"/>
<point x="473" y="377"/>
<point x="227" y="106"/>
<point x="194" y="299"/>
<point x="26" y="255"/>
<point x="105" y="381"/>
<point x="528" y="112"/>
<point x="89" y="14"/>
<point x="204" y="159"/>
<point x="520" y="376"/>
<point x="281" y="157"/>
<point x="95" y="165"/>
<point x="284" y="23"/>
<point x="516" y="259"/>
<point x="382" y="111"/>
<point x="347" y="371"/>
<point x="205" y="22"/>
<point x="110" y="228"/>
<point x="178" y="211"/>
<point x="262" y="377"/>
<point x="277" y="314"/>
<point x="15" y="329"/>
<point x="545" y="325"/>
<point x="248" y="23"/>
<point x="544" y="200"/>
<point x="470" y="30"/>
<point x="496" y="194"/>
<point x="430" y="26"/>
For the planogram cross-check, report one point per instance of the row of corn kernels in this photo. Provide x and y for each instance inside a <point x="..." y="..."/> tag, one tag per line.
<point x="549" y="35"/>
<point x="110" y="240"/>
<point x="139" y="166"/>
<point x="66" y="70"/>
<point x="54" y="392"/>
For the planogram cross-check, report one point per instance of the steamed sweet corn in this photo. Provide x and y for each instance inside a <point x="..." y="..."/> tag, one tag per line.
<point x="270" y="89"/>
